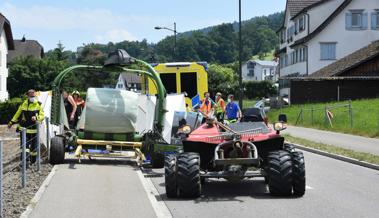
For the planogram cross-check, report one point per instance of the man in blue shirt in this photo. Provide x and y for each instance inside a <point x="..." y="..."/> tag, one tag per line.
<point x="233" y="111"/>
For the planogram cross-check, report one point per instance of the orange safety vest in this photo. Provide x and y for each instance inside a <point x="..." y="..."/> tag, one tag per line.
<point x="206" y="108"/>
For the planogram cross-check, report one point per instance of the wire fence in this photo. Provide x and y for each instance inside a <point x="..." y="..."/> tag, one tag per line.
<point x="29" y="151"/>
<point x="326" y="115"/>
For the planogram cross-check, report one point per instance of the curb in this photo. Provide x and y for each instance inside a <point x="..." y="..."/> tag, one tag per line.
<point x="39" y="193"/>
<point x="338" y="157"/>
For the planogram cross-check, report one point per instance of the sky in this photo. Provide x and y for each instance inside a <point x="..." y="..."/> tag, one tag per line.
<point x="75" y="22"/>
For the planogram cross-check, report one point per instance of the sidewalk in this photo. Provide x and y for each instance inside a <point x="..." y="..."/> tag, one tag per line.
<point x="94" y="189"/>
<point x="352" y="142"/>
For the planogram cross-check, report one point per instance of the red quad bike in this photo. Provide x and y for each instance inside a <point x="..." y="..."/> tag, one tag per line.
<point x="241" y="150"/>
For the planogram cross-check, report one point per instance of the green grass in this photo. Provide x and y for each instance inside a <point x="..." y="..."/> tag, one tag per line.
<point x="365" y="117"/>
<point x="268" y="56"/>
<point x="370" y="158"/>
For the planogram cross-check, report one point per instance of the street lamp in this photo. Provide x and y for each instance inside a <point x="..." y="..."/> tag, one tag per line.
<point x="172" y="30"/>
<point x="240" y="101"/>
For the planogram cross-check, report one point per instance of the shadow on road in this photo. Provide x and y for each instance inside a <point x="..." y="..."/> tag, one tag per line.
<point x="221" y="190"/>
<point x="102" y="161"/>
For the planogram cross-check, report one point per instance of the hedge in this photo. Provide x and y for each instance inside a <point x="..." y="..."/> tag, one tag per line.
<point x="8" y="109"/>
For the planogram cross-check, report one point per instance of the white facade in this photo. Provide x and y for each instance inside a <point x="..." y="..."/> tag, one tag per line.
<point x="3" y="67"/>
<point x="308" y="56"/>
<point x="257" y="70"/>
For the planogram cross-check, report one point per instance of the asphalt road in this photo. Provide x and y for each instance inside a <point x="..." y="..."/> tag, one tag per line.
<point x="353" y="142"/>
<point x="335" y="189"/>
<point x="114" y="189"/>
<point x="95" y="189"/>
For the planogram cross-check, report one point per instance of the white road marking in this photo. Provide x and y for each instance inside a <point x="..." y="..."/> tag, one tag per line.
<point x="308" y="187"/>
<point x="159" y="207"/>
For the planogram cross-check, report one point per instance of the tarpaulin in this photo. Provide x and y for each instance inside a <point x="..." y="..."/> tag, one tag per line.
<point x="110" y="111"/>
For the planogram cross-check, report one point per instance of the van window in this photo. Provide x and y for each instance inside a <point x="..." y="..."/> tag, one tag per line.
<point x="169" y="82"/>
<point x="189" y="83"/>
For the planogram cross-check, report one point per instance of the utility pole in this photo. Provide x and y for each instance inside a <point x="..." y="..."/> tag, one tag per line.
<point x="175" y="33"/>
<point x="240" y="99"/>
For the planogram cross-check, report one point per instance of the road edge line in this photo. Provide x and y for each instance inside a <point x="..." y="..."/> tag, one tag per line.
<point x="160" y="208"/>
<point x="338" y="157"/>
<point x="33" y="202"/>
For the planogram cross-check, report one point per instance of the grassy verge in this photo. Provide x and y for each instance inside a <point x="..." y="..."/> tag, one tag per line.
<point x="362" y="156"/>
<point x="365" y="117"/>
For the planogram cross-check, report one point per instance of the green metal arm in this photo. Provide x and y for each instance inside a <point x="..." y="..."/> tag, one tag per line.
<point x="151" y="73"/>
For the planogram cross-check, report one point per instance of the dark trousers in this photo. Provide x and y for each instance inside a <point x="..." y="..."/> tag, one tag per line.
<point x="31" y="147"/>
<point x="220" y="117"/>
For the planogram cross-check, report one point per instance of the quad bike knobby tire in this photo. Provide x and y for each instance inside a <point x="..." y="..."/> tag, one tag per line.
<point x="188" y="175"/>
<point x="280" y="173"/>
<point x="57" y="150"/>
<point x="170" y="176"/>
<point x="298" y="172"/>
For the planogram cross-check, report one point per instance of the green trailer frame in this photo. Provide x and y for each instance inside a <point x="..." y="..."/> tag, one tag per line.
<point x="118" y="61"/>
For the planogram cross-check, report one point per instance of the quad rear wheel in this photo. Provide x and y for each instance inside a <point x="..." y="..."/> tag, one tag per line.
<point x="57" y="150"/>
<point x="280" y="173"/>
<point x="188" y="175"/>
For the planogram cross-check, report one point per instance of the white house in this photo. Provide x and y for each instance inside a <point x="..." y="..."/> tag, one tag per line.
<point x="257" y="70"/>
<point x="129" y="81"/>
<point x="316" y="33"/>
<point x="6" y="44"/>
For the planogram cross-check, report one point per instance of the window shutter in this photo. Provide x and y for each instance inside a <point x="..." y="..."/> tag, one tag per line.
<point x="364" y="21"/>
<point x="374" y="17"/>
<point x="348" y="20"/>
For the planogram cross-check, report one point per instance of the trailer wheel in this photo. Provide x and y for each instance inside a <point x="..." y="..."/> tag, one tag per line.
<point x="289" y="147"/>
<point x="188" y="175"/>
<point x="170" y="176"/>
<point x="57" y="150"/>
<point x="280" y="173"/>
<point x="157" y="160"/>
<point x="298" y="172"/>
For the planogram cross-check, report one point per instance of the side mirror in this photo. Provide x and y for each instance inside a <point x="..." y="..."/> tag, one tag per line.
<point x="282" y="118"/>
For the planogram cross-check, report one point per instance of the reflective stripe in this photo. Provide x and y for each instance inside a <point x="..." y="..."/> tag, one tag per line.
<point x="33" y="153"/>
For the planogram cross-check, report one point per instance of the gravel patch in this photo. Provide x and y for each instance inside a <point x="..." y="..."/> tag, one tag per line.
<point x="16" y="198"/>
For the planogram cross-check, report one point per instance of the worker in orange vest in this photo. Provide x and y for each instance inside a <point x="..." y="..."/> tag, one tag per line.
<point x="207" y="105"/>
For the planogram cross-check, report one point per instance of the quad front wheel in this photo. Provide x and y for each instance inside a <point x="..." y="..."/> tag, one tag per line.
<point x="280" y="173"/>
<point x="188" y="175"/>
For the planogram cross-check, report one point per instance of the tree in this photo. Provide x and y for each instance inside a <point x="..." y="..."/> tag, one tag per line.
<point x="31" y="73"/>
<point x="221" y="79"/>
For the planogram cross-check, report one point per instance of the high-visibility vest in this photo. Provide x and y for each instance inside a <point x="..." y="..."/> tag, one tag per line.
<point x="206" y="108"/>
<point x="220" y="106"/>
<point x="24" y="114"/>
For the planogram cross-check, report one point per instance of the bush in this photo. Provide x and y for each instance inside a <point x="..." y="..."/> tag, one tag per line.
<point x="254" y="90"/>
<point x="8" y="109"/>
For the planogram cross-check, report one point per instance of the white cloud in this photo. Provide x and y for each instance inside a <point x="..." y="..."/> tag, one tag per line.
<point x="54" y="18"/>
<point x="115" y="35"/>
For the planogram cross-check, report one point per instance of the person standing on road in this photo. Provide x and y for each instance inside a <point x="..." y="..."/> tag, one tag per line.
<point x="207" y="105"/>
<point x="233" y="111"/>
<point x="220" y="109"/>
<point x="28" y="114"/>
<point x="70" y="106"/>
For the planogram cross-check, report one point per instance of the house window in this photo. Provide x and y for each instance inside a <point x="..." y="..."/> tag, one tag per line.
<point x="120" y="86"/>
<point x="328" y="51"/>
<point x="375" y="20"/>
<point x="296" y="27"/>
<point x="251" y="73"/>
<point x="356" y="20"/>
<point x="301" y="23"/>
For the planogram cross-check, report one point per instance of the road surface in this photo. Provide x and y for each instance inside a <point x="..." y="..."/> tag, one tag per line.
<point x="353" y="142"/>
<point x="335" y="189"/>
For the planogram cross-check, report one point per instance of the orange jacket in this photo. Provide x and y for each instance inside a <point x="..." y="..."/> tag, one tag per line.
<point x="206" y="108"/>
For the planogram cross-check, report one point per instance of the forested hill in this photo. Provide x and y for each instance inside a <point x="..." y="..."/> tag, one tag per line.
<point x="215" y="44"/>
